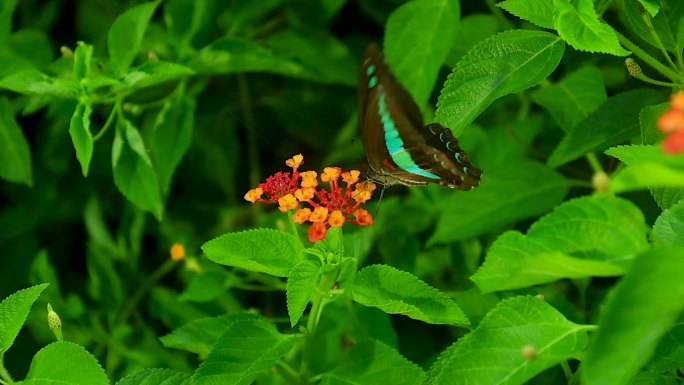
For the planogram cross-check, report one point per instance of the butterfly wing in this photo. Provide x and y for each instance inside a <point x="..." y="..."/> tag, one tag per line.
<point x="398" y="148"/>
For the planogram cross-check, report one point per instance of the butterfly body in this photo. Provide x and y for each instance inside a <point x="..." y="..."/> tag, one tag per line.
<point x="399" y="149"/>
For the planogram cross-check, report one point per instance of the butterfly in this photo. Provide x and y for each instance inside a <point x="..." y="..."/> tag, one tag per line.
<point x="399" y="149"/>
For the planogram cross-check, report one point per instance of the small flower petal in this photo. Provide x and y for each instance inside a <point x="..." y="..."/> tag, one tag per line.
<point x="287" y="202"/>
<point x="301" y="215"/>
<point x="363" y="217"/>
<point x="295" y="161"/>
<point x="317" y="231"/>
<point x="305" y="194"/>
<point x="351" y="177"/>
<point x="254" y="194"/>
<point x="330" y="174"/>
<point x="320" y="214"/>
<point x="363" y="192"/>
<point x="309" y="179"/>
<point x="336" y="219"/>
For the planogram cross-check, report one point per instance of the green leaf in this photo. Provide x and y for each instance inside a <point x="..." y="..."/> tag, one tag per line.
<point x="578" y="24"/>
<point x="650" y="134"/>
<point x="514" y="326"/>
<point x="397" y="292"/>
<point x="82" y="57"/>
<point x="206" y="287"/>
<point x="262" y="250"/>
<point x="126" y="35"/>
<point x="584" y="237"/>
<point x="199" y="335"/>
<point x="32" y="82"/>
<point x="184" y="18"/>
<point x="79" y="129"/>
<point x="48" y="366"/>
<point x="474" y="28"/>
<point x="156" y="377"/>
<point x="6" y="12"/>
<point x="301" y="284"/>
<point x="155" y="72"/>
<point x="320" y="52"/>
<point x="573" y="98"/>
<point x="507" y="193"/>
<point x="246" y="349"/>
<point x="537" y="12"/>
<point x="669" y="226"/>
<point x="13" y="312"/>
<point x="372" y="362"/>
<point x="428" y="27"/>
<point x="15" y="154"/>
<point x="617" y="120"/>
<point x="647" y="166"/>
<point x="506" y="63"/>
<point x="133" y="172"/>
<point x="231" y="55"/>
<point x="516" y="261"/>
<point x="641" y="309"/>
<point x="657" y="31"/>
<point x="172" y="134"/>
<point x="669" y="354"/>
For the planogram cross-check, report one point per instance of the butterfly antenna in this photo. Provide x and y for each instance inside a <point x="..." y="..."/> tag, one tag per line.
<point x="382" y="192"/>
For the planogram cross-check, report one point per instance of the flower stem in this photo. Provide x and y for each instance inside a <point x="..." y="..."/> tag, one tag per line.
<point x="648" y="59"/>
<point x="318" y="302"/>
<point x="132" y="303"/>
<point x="249" y="123"/>
<point x="594" y="162"/>
<point x="293" y="225"/>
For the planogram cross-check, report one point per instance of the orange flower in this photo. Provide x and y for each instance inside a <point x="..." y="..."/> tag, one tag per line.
<point x="351" y="177"/>
<point x="316" y="232"/>
<point x="363" y="192"/>
<point x="254" y="194"/>
<point x="301" y="215"/>
<point x="674" y="143"/>
<point x="295" y="161"/>
<point x="670" y="121"/>
<point x="336" y="218"/>
<point x="363" y="217"/>
<point x="309" y="179"/>
<point x="287" y="202"/>
<point x="177" y="252"/>
<point x="330" y="174"/>
<point x="320" y="214"/>
<point x="305" y="194"/>
<point x="677" y="101"/>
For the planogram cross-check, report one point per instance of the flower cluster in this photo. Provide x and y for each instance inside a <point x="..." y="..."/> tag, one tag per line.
<point x="323" y="208"/>
<point x="671" y="123"/>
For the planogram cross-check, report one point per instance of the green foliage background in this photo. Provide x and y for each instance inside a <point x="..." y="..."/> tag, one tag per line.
<point x="129" y="126"/>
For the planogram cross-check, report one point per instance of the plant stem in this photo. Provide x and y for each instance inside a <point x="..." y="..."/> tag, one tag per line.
<point x="4" y="374"/>
<point x="108" y="123"/>
<point x="161" y="271"/>
<point x="293" y="226"/>
<point x="318" y="302"/>
<point x="594" y="162"/>
<point x="249" y="123"/>
<point x="648" y="59"/>
<point x="567" y="371"/>
<point x="289" y="373"/>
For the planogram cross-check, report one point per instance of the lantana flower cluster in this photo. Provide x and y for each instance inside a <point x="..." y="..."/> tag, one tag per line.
<point x="671" y="123"/>
<point x="322" y="208"/>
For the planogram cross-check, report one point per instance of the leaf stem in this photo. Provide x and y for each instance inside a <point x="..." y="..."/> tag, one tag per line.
<point x="654" y="34"/>
<point x="567" y="371"/>
<point x="289" y="373"/>
<point x="648" y="59"/>
<point x="108" y="123"/>
<point x="4" y="374"/>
